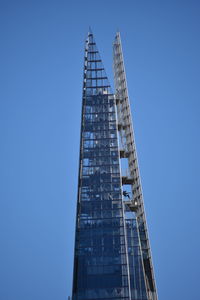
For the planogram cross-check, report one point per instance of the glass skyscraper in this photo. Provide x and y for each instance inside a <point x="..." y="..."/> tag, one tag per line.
<point x="112" y="258"/>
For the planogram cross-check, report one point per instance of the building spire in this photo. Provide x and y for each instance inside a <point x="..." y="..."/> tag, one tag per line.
<point x="90" y="30"/>
<point x="112" y="252"/>
<point x="96" y="80"/>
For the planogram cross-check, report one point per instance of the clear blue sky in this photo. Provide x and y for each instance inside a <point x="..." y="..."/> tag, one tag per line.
<point x="41" y="59"/>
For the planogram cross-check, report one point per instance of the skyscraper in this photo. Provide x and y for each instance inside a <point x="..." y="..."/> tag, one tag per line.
<point x="112" y="258"/>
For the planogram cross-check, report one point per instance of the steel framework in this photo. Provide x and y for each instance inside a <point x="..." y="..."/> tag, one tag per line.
<point x="128" y="150"/>
<point x="112" y="258"/>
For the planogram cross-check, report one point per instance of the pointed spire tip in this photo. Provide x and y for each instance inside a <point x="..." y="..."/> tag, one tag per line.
<point x="90" y="30"/>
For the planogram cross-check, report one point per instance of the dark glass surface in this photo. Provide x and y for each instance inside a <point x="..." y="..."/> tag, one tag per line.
<point x="108" y="259"/>
<point x="100" y="268"/>
<point x="137" y="282"/>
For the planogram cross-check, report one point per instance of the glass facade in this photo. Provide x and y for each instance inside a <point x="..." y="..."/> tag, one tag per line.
<point x="100" y="270"/>
<point x="137" y="282"/>
<point x="108" y="260"/>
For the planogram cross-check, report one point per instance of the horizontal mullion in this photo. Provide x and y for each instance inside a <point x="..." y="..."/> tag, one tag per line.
<point x="92" y="51"/>
<point x="95" y="69"/>
<point x="94" y="60"/>
<point x="96" y="78"/>
<point x="97" y="86"/>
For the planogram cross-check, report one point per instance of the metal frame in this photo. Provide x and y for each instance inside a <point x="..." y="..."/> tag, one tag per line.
<point x="125" y="127"/>
<point x="112" y="258"/>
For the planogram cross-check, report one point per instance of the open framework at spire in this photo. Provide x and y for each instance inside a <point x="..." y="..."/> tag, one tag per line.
<point x="112" y="258"/>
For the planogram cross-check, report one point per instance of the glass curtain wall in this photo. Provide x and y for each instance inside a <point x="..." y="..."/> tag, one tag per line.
<point x="101" y="260"/>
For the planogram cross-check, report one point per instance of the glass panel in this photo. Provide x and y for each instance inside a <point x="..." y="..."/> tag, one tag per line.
<point x="100" y="269"/>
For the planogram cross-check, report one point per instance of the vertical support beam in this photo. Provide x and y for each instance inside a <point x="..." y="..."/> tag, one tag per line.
<point x="127" y="137"/>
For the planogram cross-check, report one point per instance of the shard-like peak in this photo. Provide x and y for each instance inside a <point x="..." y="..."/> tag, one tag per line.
<point x="95" y="78"/>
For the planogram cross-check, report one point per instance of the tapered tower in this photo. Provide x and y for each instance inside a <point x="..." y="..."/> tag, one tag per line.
<point x="112" y="257"/>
